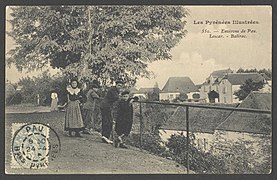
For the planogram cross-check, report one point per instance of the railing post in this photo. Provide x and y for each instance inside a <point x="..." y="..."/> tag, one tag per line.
<point x="140" y="126"/>
<point x="188" y="140"/>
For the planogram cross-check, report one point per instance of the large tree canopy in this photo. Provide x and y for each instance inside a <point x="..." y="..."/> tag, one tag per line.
<point x="247" y="87"/>
<point x="102" y="42"/>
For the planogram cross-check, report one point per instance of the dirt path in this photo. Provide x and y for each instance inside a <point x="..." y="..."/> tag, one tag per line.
<point x="88" y="155"/>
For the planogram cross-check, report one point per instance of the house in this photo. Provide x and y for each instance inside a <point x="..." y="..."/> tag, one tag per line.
<point x="176" y="85"/>
<point x="232" y="82"/>
<point x="253" y="129"/>
<point x="211" y="85"/>
<point x="202" y="122"/>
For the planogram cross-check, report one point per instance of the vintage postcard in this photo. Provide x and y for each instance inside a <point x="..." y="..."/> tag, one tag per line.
<point x="164" y="89"/>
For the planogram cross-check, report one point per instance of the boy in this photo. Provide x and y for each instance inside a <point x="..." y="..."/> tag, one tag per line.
<point x="123" y="118"/>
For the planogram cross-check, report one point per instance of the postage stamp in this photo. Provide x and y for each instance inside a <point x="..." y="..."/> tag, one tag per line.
<point x="33" y="145"/>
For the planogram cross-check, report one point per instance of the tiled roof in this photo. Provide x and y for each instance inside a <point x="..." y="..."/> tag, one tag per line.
<point x="201" y="119"/>
<point x="221" y="73"/>
<point x="250" y="122"/>
<point x="240" y="78"/>
<point x="179" y="84"/>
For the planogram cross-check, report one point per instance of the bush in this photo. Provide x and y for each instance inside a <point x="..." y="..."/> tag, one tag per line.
<point x="199" y="161"/>
<point x="14" y="99"/>
<point x="150" y="142"/>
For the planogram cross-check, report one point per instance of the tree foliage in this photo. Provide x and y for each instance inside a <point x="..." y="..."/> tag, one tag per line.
<point x="99" y="42"/>
<point x="42" y="85"/>
<point x="267" y="72"/>
<point x="247" y="87"/>
<point x="182" y="97"/>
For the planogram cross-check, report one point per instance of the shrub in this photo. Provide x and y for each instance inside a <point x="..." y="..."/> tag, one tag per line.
<point x="14" y="99"/>
<point x="199" y="161"/>
<point x="150" y="142"/>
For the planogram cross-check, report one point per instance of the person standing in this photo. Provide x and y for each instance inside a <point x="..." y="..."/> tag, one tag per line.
<point x="54" y="101"/>
<point x="73" y="116"/>
<point x="106" y="108"/>
<point x="89" y="109"/>
<point x="123" y="118"/>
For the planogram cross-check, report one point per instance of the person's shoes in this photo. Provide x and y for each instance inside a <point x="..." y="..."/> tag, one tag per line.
<point x="121" y="145"/>
<point x="86" y="131"/>
<point x="116" y="142"/>
<point x="106" y="140"/>
<point x="120" y="139"/>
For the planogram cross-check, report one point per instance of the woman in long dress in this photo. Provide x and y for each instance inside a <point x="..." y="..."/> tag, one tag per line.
<point x="73" y="116"/>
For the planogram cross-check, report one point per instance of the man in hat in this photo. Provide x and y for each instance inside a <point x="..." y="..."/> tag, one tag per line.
<point x="106" y="108"/>
<point x="89" y="108"/>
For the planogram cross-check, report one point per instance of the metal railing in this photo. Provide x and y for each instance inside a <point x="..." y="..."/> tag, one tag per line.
<point x="187" y="105"/>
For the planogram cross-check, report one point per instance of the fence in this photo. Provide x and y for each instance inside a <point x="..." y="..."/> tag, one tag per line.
<point x="187" y="107"/>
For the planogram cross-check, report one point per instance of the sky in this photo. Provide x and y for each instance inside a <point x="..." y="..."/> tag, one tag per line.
<point x="197" y="55"/>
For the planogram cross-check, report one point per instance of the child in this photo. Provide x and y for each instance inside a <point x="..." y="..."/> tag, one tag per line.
<point x="123" y="118"/>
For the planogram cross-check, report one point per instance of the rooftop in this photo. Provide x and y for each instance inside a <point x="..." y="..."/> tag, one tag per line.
<point x="250" y="122"/>
<point x="240" y="78"/>
<point x="201" y="120"/>
<point x="179" y="84"/>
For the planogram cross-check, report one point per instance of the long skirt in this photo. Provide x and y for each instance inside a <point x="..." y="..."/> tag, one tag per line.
<point x="54" y="105"/>
<point x="73" y="117"/>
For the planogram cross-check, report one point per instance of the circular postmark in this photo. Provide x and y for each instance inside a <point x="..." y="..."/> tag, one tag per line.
<point x="34" y="144"/>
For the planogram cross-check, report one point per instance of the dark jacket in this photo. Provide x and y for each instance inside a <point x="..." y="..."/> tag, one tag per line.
<point x="123" y="117"/>
<point x="110" y="98"/>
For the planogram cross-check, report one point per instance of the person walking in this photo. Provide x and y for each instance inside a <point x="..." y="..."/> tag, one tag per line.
<point x="73" y="116"/>
<point x="106" y="108"/>
<point x="89" y="111"/>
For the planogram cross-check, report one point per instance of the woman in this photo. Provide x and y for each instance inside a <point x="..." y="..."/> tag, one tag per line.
<point x="90" y="110"/>
<point x="54" y="101"/>
<point x="73" y="116"/>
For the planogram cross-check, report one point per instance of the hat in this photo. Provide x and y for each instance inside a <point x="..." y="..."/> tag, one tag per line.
<point x="125" y="92"/>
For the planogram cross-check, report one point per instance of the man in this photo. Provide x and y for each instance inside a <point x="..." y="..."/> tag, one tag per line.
<point x="106" y="108"/>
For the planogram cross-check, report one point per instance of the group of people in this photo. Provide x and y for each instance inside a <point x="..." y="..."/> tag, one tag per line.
<point x="115" y="108"/>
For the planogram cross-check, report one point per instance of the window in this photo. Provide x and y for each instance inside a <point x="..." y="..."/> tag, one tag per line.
<point x="216" y="88"/>
<point x="225" y="101"/>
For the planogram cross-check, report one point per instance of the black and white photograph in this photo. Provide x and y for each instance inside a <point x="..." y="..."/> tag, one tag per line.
<point x="138" y="89"/>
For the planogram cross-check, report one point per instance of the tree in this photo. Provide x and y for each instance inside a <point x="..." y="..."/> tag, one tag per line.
<point x="95" y="42"/>
<point x="267" y="72"/>
<point x="182" y="97"/>
<point x="247" y="87"/>
<point x="28" y="89"/>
